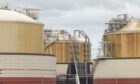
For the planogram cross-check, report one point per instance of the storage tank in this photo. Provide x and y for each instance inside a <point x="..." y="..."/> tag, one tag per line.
<point x="117" y="71"/>
<point x="59" y="43"/>
<point x="19" y="33"/>
<point x="22" y="60"/>
<point x="63" y="52"/>
<point x="125" y="42"/>
<point x="21" y="68"/>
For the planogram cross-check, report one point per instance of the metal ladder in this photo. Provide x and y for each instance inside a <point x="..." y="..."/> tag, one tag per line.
<point x="74" y="45"/>
<point x="74" y="58"/>
<point x="87" y="52"/>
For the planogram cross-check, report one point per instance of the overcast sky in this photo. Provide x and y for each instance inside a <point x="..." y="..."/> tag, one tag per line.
<point x="87" y="15"/>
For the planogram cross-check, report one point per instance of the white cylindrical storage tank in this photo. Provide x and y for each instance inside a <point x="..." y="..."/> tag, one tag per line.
<point x="21" y="68"/>
<point x="20" y="33"/>
<point x="117" y="71"/>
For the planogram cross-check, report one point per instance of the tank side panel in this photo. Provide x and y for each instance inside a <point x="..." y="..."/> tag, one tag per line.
<point x="8" y="37"/>
<point x="36" y="40"/>
<point x="137" y="45"/>
<point x="122" y="45"/>
<point x="123" y="68"/>
<point x="20" y="37"/>
<point x="117" y="45"/>
<point x="27" y="66"/>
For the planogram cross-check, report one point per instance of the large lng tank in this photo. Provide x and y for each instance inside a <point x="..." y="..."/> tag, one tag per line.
<point x="124" y="43"/>
<point x="117" y="71"/>
<point x="19" y="33"/>
<point x="59" y="43"/>
<point x="121" y="61"/>
<point x="22" y="60"/>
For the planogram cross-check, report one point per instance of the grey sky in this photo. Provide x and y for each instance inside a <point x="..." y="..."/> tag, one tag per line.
<point x="87" y="15"/>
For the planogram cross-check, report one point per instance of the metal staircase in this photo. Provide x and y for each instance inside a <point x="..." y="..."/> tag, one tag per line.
<point x="74" y="53"/>
<point x="86" y="51"/>
<point x="81" y="68"/>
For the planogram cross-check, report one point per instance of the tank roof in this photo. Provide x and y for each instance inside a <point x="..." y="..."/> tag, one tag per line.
<point x="132" y="26"/>
<point x="13" y="16"/>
